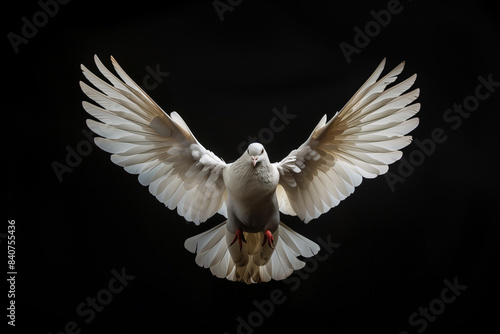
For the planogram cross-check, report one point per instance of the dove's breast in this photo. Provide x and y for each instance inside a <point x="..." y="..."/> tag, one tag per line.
<point x="252" y="203"/>
<point x="243" y="180"/>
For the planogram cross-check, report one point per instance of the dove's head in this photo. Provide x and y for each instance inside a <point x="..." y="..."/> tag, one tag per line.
<point x="257" y="153"/>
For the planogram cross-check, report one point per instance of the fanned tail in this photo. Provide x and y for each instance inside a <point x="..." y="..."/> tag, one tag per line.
<point x="255" y="262"/>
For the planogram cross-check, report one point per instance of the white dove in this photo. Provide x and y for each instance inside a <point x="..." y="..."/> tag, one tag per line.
<point x="252" y="245"/>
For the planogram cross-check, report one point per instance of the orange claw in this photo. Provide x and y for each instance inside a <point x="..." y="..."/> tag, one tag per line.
<point x="268" y="236"/>
<point x="240" y="237"/>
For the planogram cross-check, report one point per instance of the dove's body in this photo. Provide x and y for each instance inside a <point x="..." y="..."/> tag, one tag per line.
<point x="251" y="196"/>
<point x="360" y="141"/>
<point x="252" y="209"/>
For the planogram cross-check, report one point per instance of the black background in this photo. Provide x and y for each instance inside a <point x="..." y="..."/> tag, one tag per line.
<point x="225" y="78"/>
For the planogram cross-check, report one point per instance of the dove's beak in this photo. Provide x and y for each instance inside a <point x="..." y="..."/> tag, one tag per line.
<point x="254" y="159"/>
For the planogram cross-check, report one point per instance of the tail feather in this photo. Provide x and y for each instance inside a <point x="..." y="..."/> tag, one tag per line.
<point x="284" y="260"/>
<point x="297" y="243"/>
<point x="212" y="251"/>
<point x="254" y="263"/>
<point x="224" y="267"/>
<point x="198" y="242"/>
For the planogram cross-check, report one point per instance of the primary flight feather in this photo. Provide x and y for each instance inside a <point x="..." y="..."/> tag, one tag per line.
<point x="252" y="245"/>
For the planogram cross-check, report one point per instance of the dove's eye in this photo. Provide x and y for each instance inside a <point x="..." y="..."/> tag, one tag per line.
<point x="262" y="151"/>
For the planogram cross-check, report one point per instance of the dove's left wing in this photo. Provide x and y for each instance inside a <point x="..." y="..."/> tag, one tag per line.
<point x="361" y="140"/>
<point x="144" y="140"/>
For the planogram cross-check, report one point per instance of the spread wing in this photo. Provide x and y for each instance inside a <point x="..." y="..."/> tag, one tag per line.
<point x="160" y="148"/>
<point x="360" y="141"/>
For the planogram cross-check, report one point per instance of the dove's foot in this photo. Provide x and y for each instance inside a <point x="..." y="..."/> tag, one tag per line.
<point x="268" y="236"/>
<point x="240" y="237"/>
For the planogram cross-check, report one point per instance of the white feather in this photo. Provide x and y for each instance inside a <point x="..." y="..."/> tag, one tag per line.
<point x="359" y="141"/>
<point x="363" y="138"/>
<point x="142" y="138"/>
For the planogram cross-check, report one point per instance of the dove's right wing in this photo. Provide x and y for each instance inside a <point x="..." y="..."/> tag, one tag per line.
<point x="360" y="141"/>
<point x="144" y="140"/>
